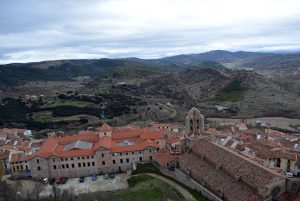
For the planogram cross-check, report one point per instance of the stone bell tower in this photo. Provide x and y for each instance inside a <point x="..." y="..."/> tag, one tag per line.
<point x="194" y="123"/>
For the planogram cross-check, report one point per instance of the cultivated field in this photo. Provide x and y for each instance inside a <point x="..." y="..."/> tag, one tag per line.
<point x="276" y="122"/>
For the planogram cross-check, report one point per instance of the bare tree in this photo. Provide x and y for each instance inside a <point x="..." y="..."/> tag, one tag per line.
<point x="71" y="194"/>
<point x="38" y="187"/>
<point x="56" y="192"/>
<point x="29" y="196"/>
<point x="6" y="192"/>
<point x="2" y="171"/>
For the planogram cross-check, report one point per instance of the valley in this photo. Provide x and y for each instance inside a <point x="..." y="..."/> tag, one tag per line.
<point x="67" y="94"/>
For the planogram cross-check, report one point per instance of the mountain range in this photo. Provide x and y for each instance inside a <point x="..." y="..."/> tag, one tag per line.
<point x="243" y="84"/>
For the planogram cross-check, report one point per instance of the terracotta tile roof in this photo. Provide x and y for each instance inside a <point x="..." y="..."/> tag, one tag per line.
<point x="56" y="146"/>
<point x="74" y="153"/>
<point x="25" y="146"/>
<point x="48" y="148"/>
<point x="105" y="128"/>
<point x="88" y="137"/>
<point x="265" y="151"/>
<point x="13" y="137"/>
<point x="18" y="157"/>
<point x="4" y="155"/>
<point x="153" y="135"/>
<point x="224" y="171"/>
<point x="37" y="144"/>
<point x="11" y="131"/>
<point x="163" y="158"/>
<point x="164" y="126"/>
<point x="52" y="147"/>
<point x="245" y="137"/>
<point x="214" y="132"/>
<point x="248" y="171"/>
<point x="104" y="141"/>
<point x="215" y="179"/>
<point x="242" y="126"/>
<point x="274" y="133"/>
<point x="173" y="139"/>
<point x="7" y="147"/>
<point x="126" y="134"/>
<point x="254" y="131"/>
<point x="3" y="135"/>
<point x="138" y="146"/>
<point x="127" y="128"/>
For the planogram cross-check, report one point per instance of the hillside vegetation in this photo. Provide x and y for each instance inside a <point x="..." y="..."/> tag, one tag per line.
<point x="85" y="92"/>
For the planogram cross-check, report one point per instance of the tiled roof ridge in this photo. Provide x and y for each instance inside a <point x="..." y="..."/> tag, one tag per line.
<point x="249" y="160"/>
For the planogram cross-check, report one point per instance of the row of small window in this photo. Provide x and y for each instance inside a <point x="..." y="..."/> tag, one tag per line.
<point x="64" y="166"/>
<point x="127" y="160"/>
<point x="78" y="158"/>
<point x="18" y="162"/>
<point x="19" y="167"/>
<point x="132" y="153"/>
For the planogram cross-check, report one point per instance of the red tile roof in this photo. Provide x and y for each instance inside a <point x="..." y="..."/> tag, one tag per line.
<point x="3" y="135"/>
<point x="127" y="128"/>
<point x="90" y="136"/>
<point x="104" y="141"/>
<point x="25" y="146"/>
<point x="138" y="146"/>
<point x="7" y="146"/>
<point x="152" y="135"/>
<point x="36" y="144"/>
<point x="164" y="126"/>
<point x="127" y="134"/>
<point x="173" y="139"/>
<point x="4" y="155"/>
<point x="55" y="146"/>
<point x="274" y="133"/>
<point x="18" y="157"/>
<point x="105" y="128"/>
<point x="137" y="133"/>
<point x="163" y="158"/>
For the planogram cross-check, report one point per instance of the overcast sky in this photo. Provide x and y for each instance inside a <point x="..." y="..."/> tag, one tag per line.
<point x="35" y="30"/>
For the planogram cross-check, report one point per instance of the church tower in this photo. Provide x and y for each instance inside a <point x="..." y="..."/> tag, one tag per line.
<point x="194" y="122"/>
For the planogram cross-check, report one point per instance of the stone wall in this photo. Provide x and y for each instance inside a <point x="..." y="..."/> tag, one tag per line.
<point x="181" y="177"/>
<point x="184" y="179"/>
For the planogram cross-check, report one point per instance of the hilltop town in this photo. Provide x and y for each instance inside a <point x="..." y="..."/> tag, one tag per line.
<point x="132" y="100"/>
<point x="233" y="162"/>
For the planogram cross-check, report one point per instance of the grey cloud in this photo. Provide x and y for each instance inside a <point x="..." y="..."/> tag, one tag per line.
<point x="36" y="30"/>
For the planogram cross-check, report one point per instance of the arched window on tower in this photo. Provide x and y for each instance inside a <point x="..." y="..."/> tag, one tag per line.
<point x="191" y="125"/>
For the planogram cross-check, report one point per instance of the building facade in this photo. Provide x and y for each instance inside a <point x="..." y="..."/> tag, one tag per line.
<point x="94" y="152"/>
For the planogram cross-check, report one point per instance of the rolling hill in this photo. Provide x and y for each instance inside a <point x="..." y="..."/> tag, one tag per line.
<point x="159" y="89"/>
